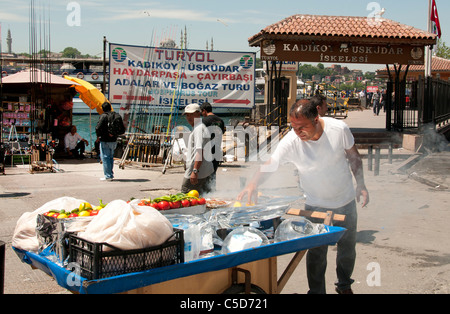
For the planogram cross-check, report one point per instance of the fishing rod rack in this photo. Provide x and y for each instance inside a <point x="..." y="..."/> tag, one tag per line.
<point x="147" y="150"/>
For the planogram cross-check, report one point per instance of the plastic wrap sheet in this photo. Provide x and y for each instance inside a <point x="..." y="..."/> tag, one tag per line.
<point x="131" y="281"/>
<point x="229" y="217"/>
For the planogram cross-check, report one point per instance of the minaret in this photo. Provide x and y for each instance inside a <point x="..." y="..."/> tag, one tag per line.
<point x="181" y="41"/>
<point x="9" y="41"/>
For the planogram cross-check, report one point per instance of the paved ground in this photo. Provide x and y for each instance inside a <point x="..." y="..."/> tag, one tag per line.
<point x="402" y="234"/>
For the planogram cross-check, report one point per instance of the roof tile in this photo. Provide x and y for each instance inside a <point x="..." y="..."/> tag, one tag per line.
<point x="351" y="26"/>
<point x="437" y="65"/>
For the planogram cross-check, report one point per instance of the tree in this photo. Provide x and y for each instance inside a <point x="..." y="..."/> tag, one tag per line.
<point x="71" y="52"/>
<point x="307" y="71"/>
<point x="442" y="50"/>
<point x="44" y="53"/>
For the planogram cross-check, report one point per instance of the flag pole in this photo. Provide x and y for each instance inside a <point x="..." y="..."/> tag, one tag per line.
<point x="428" y="52"/>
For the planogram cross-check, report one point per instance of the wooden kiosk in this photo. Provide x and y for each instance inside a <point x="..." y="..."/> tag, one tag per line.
<point x="342" y="39"/>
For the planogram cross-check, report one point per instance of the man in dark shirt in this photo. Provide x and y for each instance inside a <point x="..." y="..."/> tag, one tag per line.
<point x="108" y="142"/>
<point x="216" y="127"/>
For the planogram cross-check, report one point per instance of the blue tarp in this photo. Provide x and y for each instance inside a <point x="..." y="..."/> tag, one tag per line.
<point x="69" y="280"/>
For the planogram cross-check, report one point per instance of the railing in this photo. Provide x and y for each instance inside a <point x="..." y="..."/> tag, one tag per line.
<point x="416" y="104"/>
<point x="271" y="118"/>
<point x="439" y="99"/>
<point x="2" y="266"/>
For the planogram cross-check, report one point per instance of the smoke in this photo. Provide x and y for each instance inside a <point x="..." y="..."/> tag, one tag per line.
<point x="434" y="142"/>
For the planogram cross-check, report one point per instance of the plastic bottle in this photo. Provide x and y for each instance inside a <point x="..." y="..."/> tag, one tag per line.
<point x="192" y="242"/>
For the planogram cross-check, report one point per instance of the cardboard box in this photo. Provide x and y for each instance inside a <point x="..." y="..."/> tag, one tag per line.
<point x="412" y="142"/>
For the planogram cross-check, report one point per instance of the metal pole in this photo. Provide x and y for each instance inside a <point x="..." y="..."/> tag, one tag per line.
<point x="428" y="51"/>
<point x="2" y="267"/>
<point x="370" y="157"/>
<point x="377" y="161"/>
<point x="104" y="65"/>
<point x="391" y="149"/>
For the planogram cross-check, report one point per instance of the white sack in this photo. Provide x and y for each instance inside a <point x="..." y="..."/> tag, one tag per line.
<point x="179" y="150"/>
<point x="25" y="237"/>
<point x="128" y="226"/>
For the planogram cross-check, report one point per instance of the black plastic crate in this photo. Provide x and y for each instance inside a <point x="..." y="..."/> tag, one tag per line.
<point x="101" y="260"/>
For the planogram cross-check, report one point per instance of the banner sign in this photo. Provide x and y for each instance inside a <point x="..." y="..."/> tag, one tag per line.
<point x="335" y="52"/>
<point x="176" y="78"/>
<point x="372" y="89"/>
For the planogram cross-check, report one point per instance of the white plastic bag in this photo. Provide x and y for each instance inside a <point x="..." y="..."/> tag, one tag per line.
<point x="128" y="226"/>
<point x="24" y="236"/>
<point x="179" y="150"/>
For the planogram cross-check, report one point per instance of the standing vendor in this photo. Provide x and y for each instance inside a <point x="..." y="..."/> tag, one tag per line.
<point x="199" y="166"/>
<point x="75" y="145"/>
<point x="323" y="150"/>
<point x="216" y="128"/>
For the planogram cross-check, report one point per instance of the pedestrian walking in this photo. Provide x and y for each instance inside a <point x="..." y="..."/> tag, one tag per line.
<point x="109" y="127"/>
<point x="376" y="103"/>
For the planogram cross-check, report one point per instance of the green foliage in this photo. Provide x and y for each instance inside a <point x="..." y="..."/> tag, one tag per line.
<point x="442" y="50"/>
<point x="309" y="71"/>
<point x="71" y="52"/>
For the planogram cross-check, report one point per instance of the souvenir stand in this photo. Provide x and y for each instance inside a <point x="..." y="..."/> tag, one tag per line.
<point x="36" y="111"/>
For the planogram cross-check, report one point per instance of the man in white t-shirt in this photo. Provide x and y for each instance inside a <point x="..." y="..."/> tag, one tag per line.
<point x="199" y="166"/>
<point x="324" y="153"/>
<point x="75" y="145"/>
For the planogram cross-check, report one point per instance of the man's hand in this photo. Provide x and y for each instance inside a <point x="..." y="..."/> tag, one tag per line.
<point x="251" y="192"/>
<point x="362" y="191"/>
<point x="194" y="178"/>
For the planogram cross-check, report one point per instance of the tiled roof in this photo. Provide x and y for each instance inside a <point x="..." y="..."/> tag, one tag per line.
<point x="341" y="26"/>
<point x="437" y="65"/>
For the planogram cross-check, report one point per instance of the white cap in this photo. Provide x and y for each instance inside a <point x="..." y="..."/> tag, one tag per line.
<point x="192" y="108"/>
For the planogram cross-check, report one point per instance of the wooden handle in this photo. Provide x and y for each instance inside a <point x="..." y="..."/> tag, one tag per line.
<point x="314" y="214"/>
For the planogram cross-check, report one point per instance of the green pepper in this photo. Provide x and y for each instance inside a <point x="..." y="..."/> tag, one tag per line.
<point x="101" y="203"/>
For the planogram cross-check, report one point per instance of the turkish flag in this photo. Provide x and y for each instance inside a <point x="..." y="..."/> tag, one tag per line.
<point x="435" y="25"/>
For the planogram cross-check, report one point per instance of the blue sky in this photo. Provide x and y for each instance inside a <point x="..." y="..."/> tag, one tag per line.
<point x="230" y="23"/>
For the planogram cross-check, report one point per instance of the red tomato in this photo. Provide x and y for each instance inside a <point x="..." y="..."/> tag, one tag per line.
<point x="163" y="205"/>
<point x="185" y="203"/>
<point x="194" y="202"/>
<point x="201" y="201"/>
<point x="174" y="205"/>
<point x="55" y="215"/>
<point x="73" y="215"/>
<point x="155" y="206"/>
<point x="94" y="213"/>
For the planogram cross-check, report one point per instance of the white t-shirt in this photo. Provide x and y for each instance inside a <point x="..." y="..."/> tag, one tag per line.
<point x="325" y="174"/>
<point x="71" y="141"/>
<point x="198" y="139"/>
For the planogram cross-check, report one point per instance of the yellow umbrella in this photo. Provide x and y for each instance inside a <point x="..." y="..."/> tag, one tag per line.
<point x="89" y="94"/>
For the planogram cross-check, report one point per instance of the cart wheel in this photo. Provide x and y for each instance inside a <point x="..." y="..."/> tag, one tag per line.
<point x="240" y="289"/>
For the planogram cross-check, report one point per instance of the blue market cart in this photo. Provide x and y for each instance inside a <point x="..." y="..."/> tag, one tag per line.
<point x="257" y="267"/>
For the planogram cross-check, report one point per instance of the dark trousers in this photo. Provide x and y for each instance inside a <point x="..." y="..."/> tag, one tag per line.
<point x="376" y="107"/>
<point x="78" y="151"/>
<point x="316" y="259"/>
<point x="203" y="186"/>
